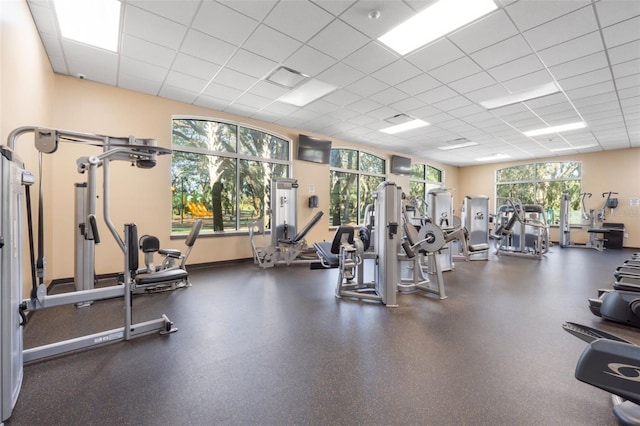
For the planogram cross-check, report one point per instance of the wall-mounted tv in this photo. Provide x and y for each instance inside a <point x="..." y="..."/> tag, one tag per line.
<point x="314" y="149"/>
<point x="400" y="165"/>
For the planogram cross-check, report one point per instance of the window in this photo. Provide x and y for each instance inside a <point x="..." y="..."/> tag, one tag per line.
<point x="543" y="184"/>
<point x="423" y="178"/>
<point x="221" y="173"/>
<point x="354" y="176"/>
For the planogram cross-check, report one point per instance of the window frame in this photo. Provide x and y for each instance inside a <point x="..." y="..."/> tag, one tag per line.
<point x="358" y="173"/>
<point x="425" y="180"/>
<point x="238" y="157"/>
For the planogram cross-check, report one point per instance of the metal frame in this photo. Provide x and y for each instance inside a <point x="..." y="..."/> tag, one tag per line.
<point x="13" y="178"/>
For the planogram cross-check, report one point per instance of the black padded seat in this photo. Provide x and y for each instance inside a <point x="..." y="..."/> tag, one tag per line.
<point x="159" y="277"/>
<point x="324" y="251"/>
<point x="329" y="251"/>
<point x="170" y="252"/>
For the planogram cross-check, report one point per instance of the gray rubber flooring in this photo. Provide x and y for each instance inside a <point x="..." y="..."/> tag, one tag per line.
<point x="275" y="347"/>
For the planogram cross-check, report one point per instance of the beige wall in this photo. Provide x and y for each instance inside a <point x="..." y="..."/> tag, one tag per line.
<point x="26" y="85"/>
<point x="605" y="171"/>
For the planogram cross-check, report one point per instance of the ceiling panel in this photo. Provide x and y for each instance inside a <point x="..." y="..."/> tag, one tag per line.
<point x="217" y="54"/>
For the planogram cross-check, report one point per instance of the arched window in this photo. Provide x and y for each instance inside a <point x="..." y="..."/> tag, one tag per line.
<point x="354" y="175"/>
<point x="221" y="172"/>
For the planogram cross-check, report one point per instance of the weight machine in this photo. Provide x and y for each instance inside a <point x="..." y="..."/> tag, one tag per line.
<point x="286" y="246"/>
<point x="14" y="189"/>
<point x="521" y="230"/>
<point x="594" y="220"/>
<point x="475" y="219"/>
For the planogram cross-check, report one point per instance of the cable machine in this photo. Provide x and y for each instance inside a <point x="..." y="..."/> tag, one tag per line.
<point x="14" y="190"/>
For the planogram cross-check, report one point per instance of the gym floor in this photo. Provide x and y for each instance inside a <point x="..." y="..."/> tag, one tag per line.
<point x="275" y="347"/>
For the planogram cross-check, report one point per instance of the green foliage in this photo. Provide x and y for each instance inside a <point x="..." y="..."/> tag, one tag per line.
<point x="205" y="169"/>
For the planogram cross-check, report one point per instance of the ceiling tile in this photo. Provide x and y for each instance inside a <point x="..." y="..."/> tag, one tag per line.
<point x="491" y="29"/>
<point x="396" y="72"/>
<point x="298" y="19"/>
<point x="364" y="106"/>
<point x="576" y="48"/>
<point x="586" y="79"/>
<point x="388" y="96"/>
<point x="418" y="84"/>
<point x="500" y="53"/>
<point x="142" y="50"/>
<point x="253" y="101"/>
<point x="579" y="66"/>
<point x="310" y="61"/>
<point x="179" y="11"/>
<point x="176" y="94"/>
<point x="341" y="97"/>
<point x="44" y="19"/>
<point x="367" y="86"/>
<point x="52" y="45"/>
<point x="194" y="67"/>
<point x="211" y="102"/>
<point x="207" y="48"/>
<point x="370" y="58"/>
<point x="487" y="93"/>
<point x="614" y="11"/>
<point x="622" y="32"/>
<point x="222" y="92"/>
<point x="138" y="84"/>
<point x="335" y="7"/>
<point x="407" y="104"/>
<point x="567" y="27"/>
<point x="452" y="103"/>
<point x="252" y="64"/>
<point x="224" y="23"/>
<point x="256" y="9"/>
<point x="392" y="13"/>
<point x="519" y="67"/>
<point x="436" y="95"/>
<point x="338" y="40"/>
<point x="235" y="79"/>
<point x="588" y="91"/>
<point x="628" y="81"/>
<point x="268" y="90"/>
<point x="271" y="44"/>
<point x="435" y="55"/>
<point x="624" y="52"/>
<point x="134" y="68"/>
<point x="340" y="75"/>
<point x="455" y="70"/>
<point x="472" y="83"/>
<point x="187" y="82"/>
<point x="96" y="64"/>
<point x="528" y="14"/>
<point x="147" y="26"/>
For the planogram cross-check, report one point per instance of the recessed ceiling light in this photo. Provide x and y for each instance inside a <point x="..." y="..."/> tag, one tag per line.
<point x="573" y="148"/>
<point x="493" y="157"/>
<point x="403" y="127"/>
<point x="524" y="95"/>
<point x="555" y="129"/>
<point x="434" y="22"/>
<point x="458" y="145"/>
<point x="93" y="22"/>
<point x="307" y="92"/>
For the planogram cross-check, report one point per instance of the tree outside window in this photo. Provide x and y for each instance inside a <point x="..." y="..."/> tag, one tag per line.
<point x="543" y="184"/>
<point x="221" y="173"/>
<point x="354" y="176"/>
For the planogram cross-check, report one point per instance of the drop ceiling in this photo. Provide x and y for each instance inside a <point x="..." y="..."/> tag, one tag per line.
<point x="218" y="54"/>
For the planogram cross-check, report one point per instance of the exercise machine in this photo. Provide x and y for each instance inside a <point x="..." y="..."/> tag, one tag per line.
<point x="612" y="364"/>
<point x="15" y="182"/>
<point x="286" y="245"/>
<point x="598" y="233"/>
<point x="620" y="306"/>
<point x="521" y="230"/>
<point x="475" y="219"/>
<point x="348" y="252"/>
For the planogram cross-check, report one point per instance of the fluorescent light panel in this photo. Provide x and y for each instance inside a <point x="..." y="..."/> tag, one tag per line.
<point x="92" y="22"/>
<point x="459" y="145"/>
<point x="409" y="125"/>
<point x="307" y="92"/>
<point x="434" y="22"/>
<point x="573" y="148"/>
<point x="493" y="157"/>
<point x="556" y="129"/>
<point x="525" y="95"/>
